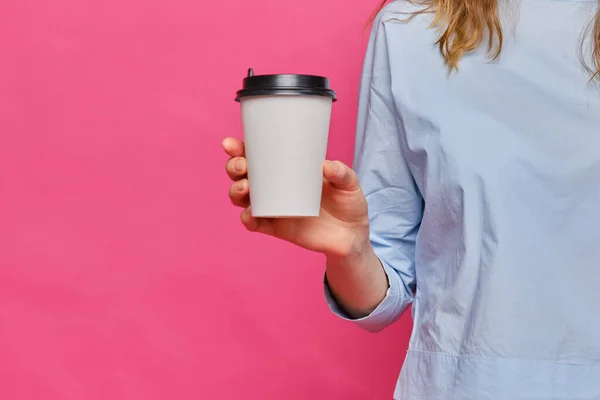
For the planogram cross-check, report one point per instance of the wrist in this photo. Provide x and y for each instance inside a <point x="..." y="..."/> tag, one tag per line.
<point x="357" y="282"/>
<point x="358" y="254"/>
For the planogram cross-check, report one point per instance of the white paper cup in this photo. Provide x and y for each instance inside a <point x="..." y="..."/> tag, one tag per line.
<point x="286" y="121"/>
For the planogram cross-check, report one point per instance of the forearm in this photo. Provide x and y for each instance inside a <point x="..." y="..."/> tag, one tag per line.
<point x="357" y="282"/>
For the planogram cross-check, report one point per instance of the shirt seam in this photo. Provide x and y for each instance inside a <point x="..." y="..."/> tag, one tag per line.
<point x="550" y="362"/>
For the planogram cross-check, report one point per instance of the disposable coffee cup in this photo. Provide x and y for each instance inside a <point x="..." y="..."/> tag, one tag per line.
<point x="286" y="121"/>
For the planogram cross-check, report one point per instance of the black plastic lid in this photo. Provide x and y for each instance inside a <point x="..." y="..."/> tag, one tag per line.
<point x="287" y="84"/>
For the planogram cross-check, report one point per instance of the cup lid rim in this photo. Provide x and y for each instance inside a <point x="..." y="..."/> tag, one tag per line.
<point x="286" y="84"/>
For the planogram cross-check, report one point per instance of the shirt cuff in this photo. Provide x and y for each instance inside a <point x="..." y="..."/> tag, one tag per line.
<point x="387" y="312"/>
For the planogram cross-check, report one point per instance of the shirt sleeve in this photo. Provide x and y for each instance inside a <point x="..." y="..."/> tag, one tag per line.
<point x="395" y="203"/>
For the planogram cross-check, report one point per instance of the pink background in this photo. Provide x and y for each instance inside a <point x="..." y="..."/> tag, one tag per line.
<point x="124" y="271"/>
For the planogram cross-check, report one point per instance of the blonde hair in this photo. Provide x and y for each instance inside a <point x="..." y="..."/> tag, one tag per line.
<point x="465" y="24"/>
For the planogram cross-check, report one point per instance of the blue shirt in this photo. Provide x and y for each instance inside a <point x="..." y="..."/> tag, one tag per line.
<point x="484" y="200"/>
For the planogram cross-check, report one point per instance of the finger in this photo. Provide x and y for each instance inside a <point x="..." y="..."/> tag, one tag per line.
<point x="239" y="193"/>
<point x="234" y="147"/>
<point x="340" y="175"/>
<point x="253" y="224"/>
<point x="236" y="168"/>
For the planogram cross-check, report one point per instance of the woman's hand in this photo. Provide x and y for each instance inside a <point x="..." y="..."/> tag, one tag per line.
<point x="341" y="230"/>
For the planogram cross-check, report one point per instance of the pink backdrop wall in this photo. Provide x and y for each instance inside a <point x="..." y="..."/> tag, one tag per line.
<point x="124" y="273"/>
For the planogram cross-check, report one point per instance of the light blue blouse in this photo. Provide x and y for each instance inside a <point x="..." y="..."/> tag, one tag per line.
<point x="484" y="199"/>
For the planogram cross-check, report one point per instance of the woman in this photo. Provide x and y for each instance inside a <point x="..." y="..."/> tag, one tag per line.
<point x="475" y="195"/>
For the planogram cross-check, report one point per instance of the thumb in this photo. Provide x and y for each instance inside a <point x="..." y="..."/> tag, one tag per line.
<point x="340" y="175"/>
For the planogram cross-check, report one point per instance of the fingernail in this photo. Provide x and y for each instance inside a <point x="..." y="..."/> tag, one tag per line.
<point x="240" y="186"/>
<point x="335" y="166"/>
<point x="244" y="216"/>
<point x="238" y="165"/>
